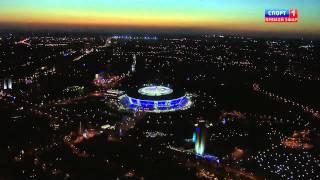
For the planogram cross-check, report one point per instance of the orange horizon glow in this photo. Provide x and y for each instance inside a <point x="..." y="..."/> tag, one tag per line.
<point x="192" y="15"/>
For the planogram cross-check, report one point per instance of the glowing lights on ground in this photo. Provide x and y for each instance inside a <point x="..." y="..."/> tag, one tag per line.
<point x="126" y="37"/>
<point x="298" y="140"/>
<point x="78" y="89"/>
<point x="306" y="108"/>
<point x="107" y="81"/>
<point x="284" y="163"/>
<point x="155" y="134"/>
<point x="107" y="126"/>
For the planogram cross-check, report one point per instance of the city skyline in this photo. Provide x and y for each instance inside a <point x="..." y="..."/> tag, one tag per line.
<point x="89" y="106"/>
<point x="160" y="89"/>
<point x="194" y="15"/>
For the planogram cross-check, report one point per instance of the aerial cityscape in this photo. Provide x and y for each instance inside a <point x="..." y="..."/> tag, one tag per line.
<point x="136" y="98"/>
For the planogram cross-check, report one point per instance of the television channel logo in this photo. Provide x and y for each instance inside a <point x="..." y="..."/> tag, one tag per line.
<point x="281" y="15"/>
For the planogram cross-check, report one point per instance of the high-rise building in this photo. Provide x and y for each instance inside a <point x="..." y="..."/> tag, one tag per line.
<point x="7" y="84"/>
<point x="194" y="137"/>
<point x="80" y="128"/>
<point x="200" y="138"/>
<point x="133" y="66"/>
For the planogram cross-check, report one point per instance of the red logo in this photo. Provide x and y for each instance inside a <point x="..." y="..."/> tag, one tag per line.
<point x="293" y="13"/>
<point x="281" y="15"/>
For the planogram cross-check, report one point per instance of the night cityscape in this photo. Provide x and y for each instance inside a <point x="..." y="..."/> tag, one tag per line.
<point x="146" y="102"/>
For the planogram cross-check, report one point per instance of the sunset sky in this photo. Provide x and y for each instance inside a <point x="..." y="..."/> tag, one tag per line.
<point x="234" y="15"/>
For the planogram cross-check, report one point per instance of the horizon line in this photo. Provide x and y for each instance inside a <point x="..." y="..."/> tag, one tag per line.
<point x="79" y="28"/>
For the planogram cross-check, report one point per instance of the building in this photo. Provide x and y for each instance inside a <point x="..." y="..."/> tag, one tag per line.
<point x="200" y="138"/>
<point x="6" y="84"/>
<point x="133" y="66"/>
<point x="157" y="99"/>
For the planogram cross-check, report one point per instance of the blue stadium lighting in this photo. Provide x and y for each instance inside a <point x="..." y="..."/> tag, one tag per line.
<point x="150" y="105"/>
<point x="133" y="101"/>
<point x="208" y="157"/>
<point x="162" y="103"/>
<point x="157" y="106"/>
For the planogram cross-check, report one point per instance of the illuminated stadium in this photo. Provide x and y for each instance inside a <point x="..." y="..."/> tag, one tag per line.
<point x="157" y="99"/>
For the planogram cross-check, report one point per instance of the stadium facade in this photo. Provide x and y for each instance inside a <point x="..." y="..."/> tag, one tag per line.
<point x="156" y="99"/>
